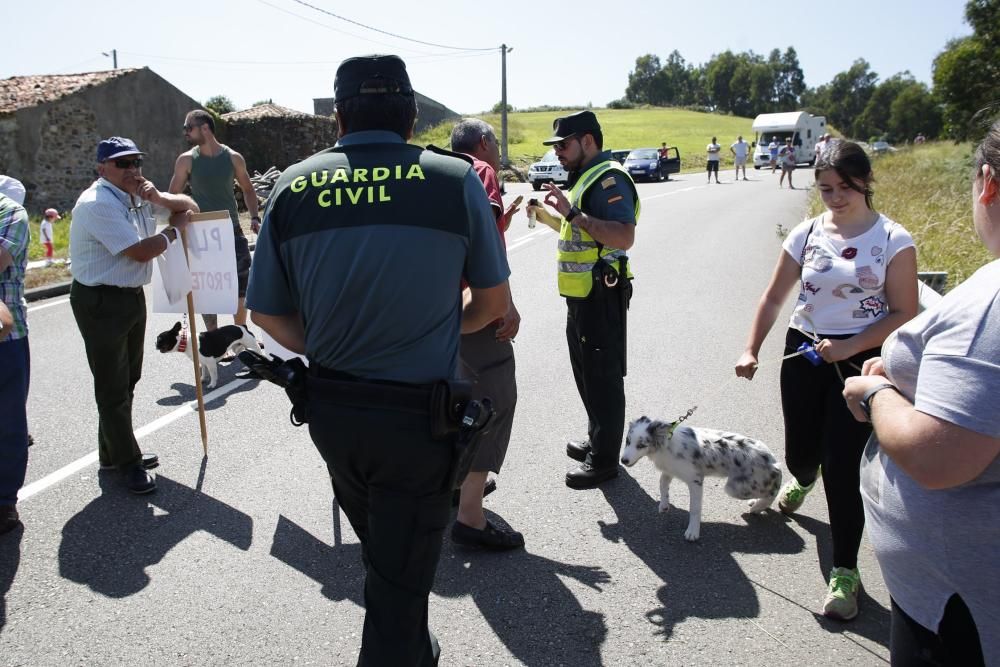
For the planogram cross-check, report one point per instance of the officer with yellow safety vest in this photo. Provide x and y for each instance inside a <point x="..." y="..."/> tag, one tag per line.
<point x="596" y="226"/>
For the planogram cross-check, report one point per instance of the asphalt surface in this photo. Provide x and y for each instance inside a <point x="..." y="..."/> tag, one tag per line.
<point x="238" y="558"/>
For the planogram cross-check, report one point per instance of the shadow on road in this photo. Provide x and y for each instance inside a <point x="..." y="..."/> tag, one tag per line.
<point x="108" y="545"/>
<point x="701" y="579"/>
<point x="185" y="392"/>
<point x="519" y="594"/>
<point x="873" y="619"/>
<point x="10" y="560"/>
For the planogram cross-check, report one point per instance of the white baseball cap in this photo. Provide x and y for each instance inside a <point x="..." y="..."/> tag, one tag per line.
<point x="13" y="188"/>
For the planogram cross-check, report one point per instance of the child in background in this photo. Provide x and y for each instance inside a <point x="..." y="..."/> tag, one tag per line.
<point x="45" y="232"/>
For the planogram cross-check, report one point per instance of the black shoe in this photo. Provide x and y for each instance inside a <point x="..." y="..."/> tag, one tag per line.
<point x="149" y="461"/>
<point x="589" y="477"/>
<point x="490" y="538"/>
<point x="138" y="481"/>
<point x="578" y="450"/>
<point x="491" y="486"/>
<point x="9" y="519"/>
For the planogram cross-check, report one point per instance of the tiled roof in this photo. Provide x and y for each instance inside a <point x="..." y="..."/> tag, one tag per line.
<point x="21" y="92"/>
<point x="264" y="111"/>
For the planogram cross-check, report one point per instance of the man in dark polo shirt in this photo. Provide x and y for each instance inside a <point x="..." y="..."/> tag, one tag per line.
<point x="596" y="225"/>
<point x="358" y="268"/>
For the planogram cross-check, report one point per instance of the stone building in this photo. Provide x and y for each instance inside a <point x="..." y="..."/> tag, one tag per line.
<point x="50" y="126"/>
<point x="429" y="112"/>
<point x="269" y="135"/>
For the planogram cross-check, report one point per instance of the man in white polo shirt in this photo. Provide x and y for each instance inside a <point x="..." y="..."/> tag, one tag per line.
<point x="113" y="241"/>
<point x="740" y="149"/>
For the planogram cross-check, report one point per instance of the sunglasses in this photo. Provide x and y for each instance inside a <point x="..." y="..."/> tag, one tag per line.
<point x="125" y="163"/>
<point x="564" y="144"/>
<point x="188" y="128"/>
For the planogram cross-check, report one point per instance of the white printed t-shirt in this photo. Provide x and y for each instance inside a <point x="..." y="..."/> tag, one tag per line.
<point x="713" y="152"/>
<point x="842" y="283"/>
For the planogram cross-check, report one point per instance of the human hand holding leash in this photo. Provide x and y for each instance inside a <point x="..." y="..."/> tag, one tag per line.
<point x="746" y="365"/>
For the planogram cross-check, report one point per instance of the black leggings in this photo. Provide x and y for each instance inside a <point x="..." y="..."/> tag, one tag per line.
<point x="820" y="431"/>
<point x="956" y="641"/>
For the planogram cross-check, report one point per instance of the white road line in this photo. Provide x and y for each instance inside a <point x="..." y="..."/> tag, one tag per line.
<point x="90" y="459"/>
<point x="524" y="240"/>
<point x="48" y="305"/>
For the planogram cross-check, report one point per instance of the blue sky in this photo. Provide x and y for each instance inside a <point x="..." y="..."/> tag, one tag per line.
<point x="568" y="53"/>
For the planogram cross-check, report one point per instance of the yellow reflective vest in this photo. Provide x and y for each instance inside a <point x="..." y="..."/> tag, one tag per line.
<point x="578" y="251"/>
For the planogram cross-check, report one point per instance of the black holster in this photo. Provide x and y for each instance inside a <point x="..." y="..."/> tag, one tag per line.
<point x="290" y="375"/>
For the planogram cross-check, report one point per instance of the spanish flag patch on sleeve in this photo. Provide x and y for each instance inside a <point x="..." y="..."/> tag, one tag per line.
<point x="616" y="198"/>
<point x="608" y="182"/>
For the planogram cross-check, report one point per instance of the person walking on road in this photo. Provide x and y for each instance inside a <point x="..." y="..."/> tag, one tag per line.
<point x="772" y="151"/>
<point x="740" y="149"/>
<point x="930" y="475"/>
<point x="596" y="226"/>
<point x="113" y="242"/>
<point x="362" y="276"/>
<point x="714" y="157"/>
<point x="788" y="163"/>
<point x="15" y="372"/>
<point x="489" y="354"/>
<point x="857" y="276"/>
<point x="210" y="167"/>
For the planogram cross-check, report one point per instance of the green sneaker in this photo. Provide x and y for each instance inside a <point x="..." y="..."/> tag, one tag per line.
<point x="841" y="600"/>
<point x="793" y="495"/>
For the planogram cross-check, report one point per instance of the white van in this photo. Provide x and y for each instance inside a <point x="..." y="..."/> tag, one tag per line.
<point x="803" y="128"/>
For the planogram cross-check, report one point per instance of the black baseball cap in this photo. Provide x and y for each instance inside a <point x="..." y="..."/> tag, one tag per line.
<point x="582" y="122"/>
<point x="371" y="75"/>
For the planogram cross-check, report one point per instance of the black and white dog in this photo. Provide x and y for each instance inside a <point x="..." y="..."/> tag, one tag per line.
<point x="212" y="345"/>
<point x="692" y="454"/>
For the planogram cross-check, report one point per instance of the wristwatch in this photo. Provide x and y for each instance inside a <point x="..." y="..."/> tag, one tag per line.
<point x="174" y="230"/>
<point x="866" y="405"/>
<point x="573" y="212"/>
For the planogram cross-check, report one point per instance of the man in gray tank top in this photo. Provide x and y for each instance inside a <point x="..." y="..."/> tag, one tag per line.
<point x="210" y="167"/>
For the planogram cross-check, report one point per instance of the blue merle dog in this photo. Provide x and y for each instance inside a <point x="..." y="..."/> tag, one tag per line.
<point x="692" y="454"/>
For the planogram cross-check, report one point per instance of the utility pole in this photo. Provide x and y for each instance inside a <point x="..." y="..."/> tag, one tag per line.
<point x="113" y="55"/>
<point x="504" y="162"/>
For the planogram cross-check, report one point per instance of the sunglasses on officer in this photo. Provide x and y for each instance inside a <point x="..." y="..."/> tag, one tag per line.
<point x="125" y="163"/>
<point x="563" y="145"/>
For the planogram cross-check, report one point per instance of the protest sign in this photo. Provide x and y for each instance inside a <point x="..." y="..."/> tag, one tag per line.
<point x="211" y="255"/>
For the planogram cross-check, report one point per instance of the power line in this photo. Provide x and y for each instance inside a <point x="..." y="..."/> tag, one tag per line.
<point x="390" y="34"/>
<point x="206" y="61"/>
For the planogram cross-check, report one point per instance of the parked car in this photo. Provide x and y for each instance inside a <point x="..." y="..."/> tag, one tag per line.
<point x="646" y="163"/>
<point x="547" y="170"/>
<point x="882" y="147"/>
<point x="620" y="155"/>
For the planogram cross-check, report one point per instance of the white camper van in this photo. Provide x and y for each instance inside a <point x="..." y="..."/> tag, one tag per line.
<point x="803" y="128"/>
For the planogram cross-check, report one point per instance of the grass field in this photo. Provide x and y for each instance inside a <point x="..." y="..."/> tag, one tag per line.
<point x="690" y="131"/>
<point x="928" y="190"/>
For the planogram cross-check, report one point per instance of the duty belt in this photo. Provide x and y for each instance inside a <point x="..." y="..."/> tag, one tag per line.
<point x="350" y="391"/>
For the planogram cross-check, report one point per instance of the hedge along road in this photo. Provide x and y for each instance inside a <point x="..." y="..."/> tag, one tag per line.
<point x="239" y="559"/>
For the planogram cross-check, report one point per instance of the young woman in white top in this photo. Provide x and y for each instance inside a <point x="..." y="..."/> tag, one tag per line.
<point x="857" y="275"/>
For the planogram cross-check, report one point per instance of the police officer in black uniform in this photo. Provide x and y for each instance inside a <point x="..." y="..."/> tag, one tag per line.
<point x="596" y="225"/>
<point x="357" y="266"/>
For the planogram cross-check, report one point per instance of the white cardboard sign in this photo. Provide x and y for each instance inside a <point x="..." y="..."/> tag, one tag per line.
<point x="211" y="254"/>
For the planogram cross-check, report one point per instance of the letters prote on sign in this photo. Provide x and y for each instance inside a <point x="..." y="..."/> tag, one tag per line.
<point x="211" y="255"/>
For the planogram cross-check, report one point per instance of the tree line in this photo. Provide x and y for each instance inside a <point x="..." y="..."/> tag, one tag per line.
<point x="965" y="94"/>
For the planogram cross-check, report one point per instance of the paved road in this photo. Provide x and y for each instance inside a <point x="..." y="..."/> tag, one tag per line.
<point x="238" y="559"/>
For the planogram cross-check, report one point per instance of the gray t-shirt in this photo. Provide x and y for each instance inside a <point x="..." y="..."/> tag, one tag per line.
<point x="933" y="544"/>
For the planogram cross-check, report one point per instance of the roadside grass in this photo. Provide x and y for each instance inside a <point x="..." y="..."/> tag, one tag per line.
<point x="928" y="190"/>
<point x="47" y="275"/>
<point x="690" y="131"/>
<point x="60" y="238"/>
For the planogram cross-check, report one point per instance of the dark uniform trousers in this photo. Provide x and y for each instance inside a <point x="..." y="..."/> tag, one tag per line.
<point x="595" y="334"/>
<point x="112" y="321"/>
<point x="392" y="481"/>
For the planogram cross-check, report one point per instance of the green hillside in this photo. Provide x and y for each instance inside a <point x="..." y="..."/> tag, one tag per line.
<point x="690" y="131"/>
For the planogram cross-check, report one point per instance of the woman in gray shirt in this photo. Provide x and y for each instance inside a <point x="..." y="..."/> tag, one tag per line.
<point x="930" y="477"/>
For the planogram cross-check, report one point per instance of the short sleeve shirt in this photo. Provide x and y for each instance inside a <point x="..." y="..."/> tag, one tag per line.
<point x="374" y="273"/>
<point x="105" y="222"/>
<point x="612" y="197"/>
<point x="842" y="282"/>
<point x="772" y="148"/>
<point x="934" y="543"/>
<point x="14" y="238"/>
<point x="713" y="152"/>
<point x="740" y="149"/>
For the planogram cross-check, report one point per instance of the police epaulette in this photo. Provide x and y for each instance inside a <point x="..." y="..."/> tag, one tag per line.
<point x="441" y="151"/>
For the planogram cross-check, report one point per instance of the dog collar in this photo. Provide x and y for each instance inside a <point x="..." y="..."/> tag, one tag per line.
<point x="183" y="342"/>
